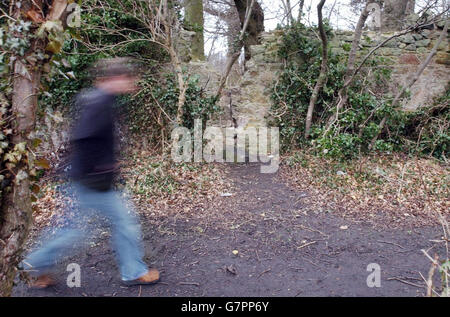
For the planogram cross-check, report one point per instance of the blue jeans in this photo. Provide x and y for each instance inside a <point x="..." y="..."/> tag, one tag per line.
<point x="125" y="234"/>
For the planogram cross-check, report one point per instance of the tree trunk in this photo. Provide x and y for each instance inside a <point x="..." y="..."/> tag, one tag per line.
<point x="288" y="11"/>
<point x="255" y="25"/>
<point x="342" y="94"/>
<point x="194" y="22"/>
<point x="300" y="10"/>
<point x="395" y="12"/>
<point x="16" y="209"/>
<point x="289" y="8"/>
<point x="16" y="213"/>
<point x="237" y="48"/>
<point x="168" y="21"/>
<point x="323" y="71"/>
<point x="182" y="85"/>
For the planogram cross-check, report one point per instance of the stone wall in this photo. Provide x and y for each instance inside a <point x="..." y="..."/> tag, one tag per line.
<point x="250" y="96"/>
<point x="404" y="55"/>
<point x="246" y="101"/>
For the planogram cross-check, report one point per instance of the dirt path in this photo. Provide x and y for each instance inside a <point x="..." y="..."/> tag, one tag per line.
<point x="282" y="251"/>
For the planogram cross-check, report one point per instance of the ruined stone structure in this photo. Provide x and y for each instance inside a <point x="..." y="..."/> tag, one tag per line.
<point x="246" y="101"/>
<point x="250" y="96"/>
<point x="404" y="55"/>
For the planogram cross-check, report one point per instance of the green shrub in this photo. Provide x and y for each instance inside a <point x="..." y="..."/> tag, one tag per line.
<point x="153" y="110"/>
<point x="423" y="132"/>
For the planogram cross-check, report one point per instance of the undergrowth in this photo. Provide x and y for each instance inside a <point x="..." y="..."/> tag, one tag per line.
<point x="424" y="132"/>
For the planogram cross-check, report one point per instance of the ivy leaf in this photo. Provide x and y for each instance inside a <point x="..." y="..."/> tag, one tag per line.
<point x="54" y="46"/>
<point x="24" y="72"/>
<point x="43" y="163"/>
<point x="66" y="63"/>
<point x="36" y="142"/>
<point x="55" y="32"/>
<point x="71" y="75"/>
<point x="33" y="172"/>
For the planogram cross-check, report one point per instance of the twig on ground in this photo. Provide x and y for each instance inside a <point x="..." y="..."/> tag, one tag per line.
<point x="266" y="271"/>
<point x="189" y="283"/>
<point x="305" y="245"/>
<point x="405" y="282"/>
<point x="387" y="242"/>
<point x="257" y="255"/>
<point x="314" y="230"/>
<point x="314" y="264"/>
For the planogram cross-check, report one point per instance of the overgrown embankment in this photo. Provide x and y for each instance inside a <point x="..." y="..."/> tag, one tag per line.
<point x="403" y="179"/>
<point x="350" y="132"/>
<point x="386" y="190"/>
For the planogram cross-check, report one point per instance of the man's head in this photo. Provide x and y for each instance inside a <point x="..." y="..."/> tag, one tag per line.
<point x="116" y="75"/>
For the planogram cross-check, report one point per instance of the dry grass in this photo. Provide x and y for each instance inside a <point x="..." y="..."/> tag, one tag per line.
<point x="162" y="188"/>
<point x="392" y="190"/>
<point x="158" y="188"/>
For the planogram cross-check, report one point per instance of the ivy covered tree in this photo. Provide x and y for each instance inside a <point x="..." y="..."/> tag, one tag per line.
<point x="31" y="33"/>
<point x="193" y="19"/>
<point x="255" y="24"/>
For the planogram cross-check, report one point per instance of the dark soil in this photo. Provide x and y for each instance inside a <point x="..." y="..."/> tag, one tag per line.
<point x="282" y="251"/>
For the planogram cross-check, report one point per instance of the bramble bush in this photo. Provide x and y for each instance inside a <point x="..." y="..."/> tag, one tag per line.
<point x="140" y="114"/>
<point x="424" y="132"/>
<point x="152" y="112"/>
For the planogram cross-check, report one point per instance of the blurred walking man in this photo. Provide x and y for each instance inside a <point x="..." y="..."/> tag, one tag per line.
<point x="92" y="171"/>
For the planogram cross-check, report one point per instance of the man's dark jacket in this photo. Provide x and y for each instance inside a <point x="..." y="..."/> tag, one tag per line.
<point x="93" y="140"/>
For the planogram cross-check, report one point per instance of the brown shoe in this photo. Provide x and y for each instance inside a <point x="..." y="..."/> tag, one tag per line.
<point x="43" y="281"/>
<point x="151" y="277"/>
